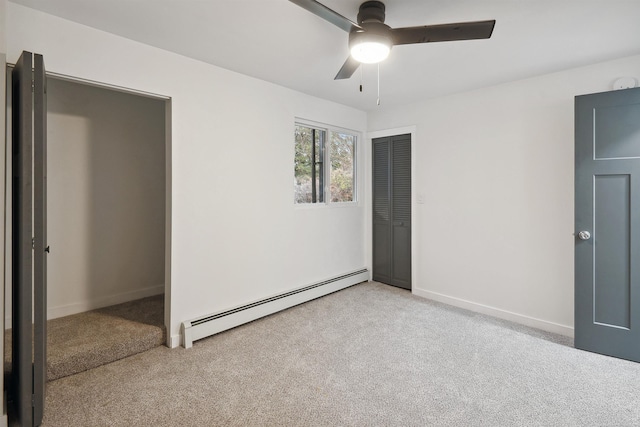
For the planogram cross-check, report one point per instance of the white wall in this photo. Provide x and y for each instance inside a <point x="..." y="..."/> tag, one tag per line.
<point x="106" y="210"/>
<point x="495" y="167"/>
<point x="3" y="26"/>
<point x="236" y="234"/>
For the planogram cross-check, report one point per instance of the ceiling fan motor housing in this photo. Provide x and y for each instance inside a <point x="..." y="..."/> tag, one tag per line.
<point x="371" y="11"/>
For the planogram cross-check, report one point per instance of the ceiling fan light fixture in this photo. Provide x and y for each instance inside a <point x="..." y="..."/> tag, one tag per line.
<point x="369" y="48"/>
<point x="370" y="52"/>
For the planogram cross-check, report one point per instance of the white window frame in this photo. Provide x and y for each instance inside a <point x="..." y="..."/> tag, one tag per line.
<point x="328" y="129"/>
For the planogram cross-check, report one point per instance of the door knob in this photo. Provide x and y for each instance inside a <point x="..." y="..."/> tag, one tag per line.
<point x="584" y="235"/>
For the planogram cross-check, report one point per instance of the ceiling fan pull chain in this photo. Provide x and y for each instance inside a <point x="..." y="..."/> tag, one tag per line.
<point x="361" y="67"/>
<point x="378" y="83"/>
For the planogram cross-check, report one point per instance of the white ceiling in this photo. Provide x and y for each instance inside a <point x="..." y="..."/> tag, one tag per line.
<point x="277" y="41"/>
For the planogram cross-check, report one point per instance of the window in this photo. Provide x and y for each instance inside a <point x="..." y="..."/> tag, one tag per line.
<point x="342" y="154"/>
<point x="324" y="166"/>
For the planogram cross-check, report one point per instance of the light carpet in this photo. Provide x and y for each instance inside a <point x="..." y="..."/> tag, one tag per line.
<point x="370" y="355"/>
<point x="86" y="340"/>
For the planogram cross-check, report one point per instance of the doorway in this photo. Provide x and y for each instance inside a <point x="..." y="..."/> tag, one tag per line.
<point x="391" y="210"/>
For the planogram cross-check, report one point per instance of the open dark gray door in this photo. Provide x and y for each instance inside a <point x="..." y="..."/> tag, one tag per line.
<point x="40" y="238"/>
<point x="22" y="144"/>
<point x="28" y="238"/>
<point x="607" y="220"/>
<point x="392" y="210"/>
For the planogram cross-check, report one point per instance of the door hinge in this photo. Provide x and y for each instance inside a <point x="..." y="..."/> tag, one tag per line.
<point x="33" y="243"/>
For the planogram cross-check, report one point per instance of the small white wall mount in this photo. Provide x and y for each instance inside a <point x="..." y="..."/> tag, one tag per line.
<point x="625" y="83"/>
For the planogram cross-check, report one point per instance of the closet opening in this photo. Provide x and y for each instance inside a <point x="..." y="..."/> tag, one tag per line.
<point x="109" y="186"/>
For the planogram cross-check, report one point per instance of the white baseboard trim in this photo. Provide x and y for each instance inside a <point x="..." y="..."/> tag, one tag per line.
<point x="497" y="312"/>
<point x="81" y="307"/>
<point x="174" y="341"/>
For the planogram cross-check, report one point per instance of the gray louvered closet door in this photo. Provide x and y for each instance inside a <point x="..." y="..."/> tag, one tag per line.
<point x="392" y="210"/>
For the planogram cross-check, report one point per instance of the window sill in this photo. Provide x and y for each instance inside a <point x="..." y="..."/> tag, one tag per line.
<point x="334" y="205"/>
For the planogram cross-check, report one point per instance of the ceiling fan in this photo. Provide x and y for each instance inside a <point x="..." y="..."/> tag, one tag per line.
<point x="370" y="40"/>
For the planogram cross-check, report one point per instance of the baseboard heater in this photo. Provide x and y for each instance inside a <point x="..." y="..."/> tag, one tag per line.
<point x="203" y="327"/>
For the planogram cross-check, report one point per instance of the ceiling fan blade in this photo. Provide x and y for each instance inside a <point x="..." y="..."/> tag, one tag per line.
<point x="348" y="68"/>
<point x="443" y="33"/>
<point x="327" y="14"/>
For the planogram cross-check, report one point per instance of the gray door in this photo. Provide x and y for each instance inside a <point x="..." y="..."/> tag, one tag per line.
<point x="392" y="210"/>
<point x="40" y="247"/>
<point x="607" y="220"/>
<point x="29" y="307"/>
